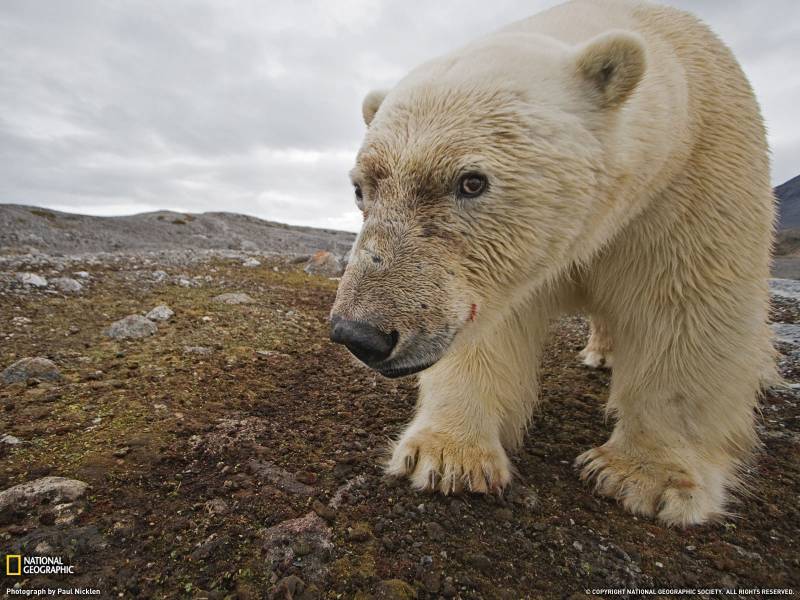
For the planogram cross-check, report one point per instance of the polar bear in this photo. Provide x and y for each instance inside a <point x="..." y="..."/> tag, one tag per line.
<point x="606" y="156"/>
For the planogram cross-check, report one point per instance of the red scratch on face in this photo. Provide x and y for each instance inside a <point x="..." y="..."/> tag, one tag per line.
<point x="473" y="312"/>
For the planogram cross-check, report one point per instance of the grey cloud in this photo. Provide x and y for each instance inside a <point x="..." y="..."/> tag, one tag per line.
<point x="253" y="106"/>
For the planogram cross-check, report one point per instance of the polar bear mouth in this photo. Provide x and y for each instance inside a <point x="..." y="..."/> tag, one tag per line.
<point x="418" y="353"/>
<point x="397" y="372"/>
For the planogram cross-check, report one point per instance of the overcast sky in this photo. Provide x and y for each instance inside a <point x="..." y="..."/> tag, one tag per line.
<point x="254" y="107"/>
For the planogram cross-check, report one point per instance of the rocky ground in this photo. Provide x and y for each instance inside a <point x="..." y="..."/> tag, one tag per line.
<point x="189" y="432"/>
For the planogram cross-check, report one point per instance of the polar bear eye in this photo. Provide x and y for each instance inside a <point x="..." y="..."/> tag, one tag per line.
<point x="471" y="185"/>
<point x="359" y="196"/>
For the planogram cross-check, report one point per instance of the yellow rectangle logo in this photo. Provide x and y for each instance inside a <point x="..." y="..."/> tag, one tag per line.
<point x="11" y="559"/>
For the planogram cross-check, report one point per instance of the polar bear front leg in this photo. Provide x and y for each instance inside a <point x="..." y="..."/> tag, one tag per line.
<point x="597" y="353"/>
<point x="685" y="422"/>
<point x="473" y="406"/>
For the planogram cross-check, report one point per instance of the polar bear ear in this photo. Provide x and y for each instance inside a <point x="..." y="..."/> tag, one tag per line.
<point x="372" y="102"/>
<point x="614" y="64"/>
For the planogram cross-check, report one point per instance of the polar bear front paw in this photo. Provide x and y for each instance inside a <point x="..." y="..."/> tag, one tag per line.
<point x="653" y="488"/>
<point x="437" y="461"/>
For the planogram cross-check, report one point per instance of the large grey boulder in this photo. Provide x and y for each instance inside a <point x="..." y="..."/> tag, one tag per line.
<point x="131" y="327"/>
<point x="51" y="489"/>
<point x="26" y="369"/>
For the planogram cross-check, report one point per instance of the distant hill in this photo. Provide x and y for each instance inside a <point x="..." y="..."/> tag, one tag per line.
<point x="788" y="195"/>
<point x="27" y="228"/>
<point x="788" y="239"/>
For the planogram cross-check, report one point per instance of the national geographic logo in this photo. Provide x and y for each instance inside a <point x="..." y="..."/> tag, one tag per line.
<point x="18" y="565"/>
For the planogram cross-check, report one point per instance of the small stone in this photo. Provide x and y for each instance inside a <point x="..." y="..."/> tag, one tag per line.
<point x="480" y="562"/>
<point x="233" y="298"/>
<point x="504" y="514"/>
<point x="306" y="477"/>
<point x="121" y="452"/>
<point x="162" y="312"/>
<point x="324" y="263"/>
<point x="29" y="368"/>
<point x="10" y="440"/>
<point x="578" y="546"/>
<point x="159" y="276"/>
<point x="660" y="565"/>
<point x="67" y="285"/>
<point x="435" y="531"/>
<point x="82" y="274"/>
<point x="287" y="588"/>
<point x="131" y="327"/>
<point x="395" y="589"/>
<point x="32" y="279"/>
<point x="323" y="510"/>
<point x="43" y="548"/>
<point x="251" y="262"/>
<point x="359" y="532"/>
<point x="217" y="506"/>
<point x="197" y="350"/>
<point x="432" y="582"/>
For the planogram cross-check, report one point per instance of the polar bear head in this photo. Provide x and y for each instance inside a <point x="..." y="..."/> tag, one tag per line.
<point x="481" y="177"/>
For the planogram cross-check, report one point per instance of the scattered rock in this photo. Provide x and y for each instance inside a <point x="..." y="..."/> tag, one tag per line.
<point x="307" y="477"/>
<point x="217" y="506"/>
<point x="479" y="561"/>
<point x="280" y="478"/>
<point x="67" y="285"/>
<point x="288" y="588"/>
<point x="323" y="510"/>
<point x="787" y="333"/>
<point x="52" y="489"/>
<point x="32" y="279"/>
<point x="43" y="549"/>
<point x="310" y="532"/>
<point x="27" y="369"/>
<point x="82" y="274"/>
<point x="395" y="589"/>
<point x="10" y="440"/>
<point x="324" y="263"/>
<point x="159" y="276"/>
<point x="785" y="288"/>
<point x="359" y="532"/>
<point x="251" y="262"/>
<point x="162" y="312"/>
<point x="132" y="326"/>
<point x="432" y="582"/>
<point x="435" y="531"/>
<point x="233" y="298"/>
<point x="197" y="350"/>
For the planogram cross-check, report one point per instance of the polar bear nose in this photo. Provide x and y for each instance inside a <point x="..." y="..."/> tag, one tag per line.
<point x="368" y="343"/>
